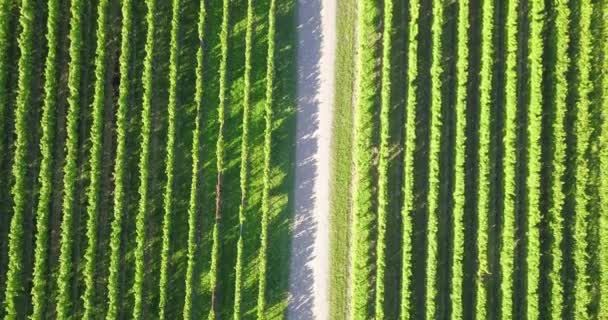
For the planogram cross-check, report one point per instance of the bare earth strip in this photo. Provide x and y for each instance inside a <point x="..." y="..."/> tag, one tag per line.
<point x="309" y="265"/>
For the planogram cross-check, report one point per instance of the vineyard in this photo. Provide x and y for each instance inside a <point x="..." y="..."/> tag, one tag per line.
<point x="473" y="138"/>
<point x="150" y="154"/>
<point x="145" y="158"/>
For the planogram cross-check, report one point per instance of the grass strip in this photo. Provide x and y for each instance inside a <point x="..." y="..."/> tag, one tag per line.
<point x="341" y="166"/>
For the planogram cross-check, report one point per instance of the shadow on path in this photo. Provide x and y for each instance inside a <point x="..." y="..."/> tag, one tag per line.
<point x="301" y="303"/>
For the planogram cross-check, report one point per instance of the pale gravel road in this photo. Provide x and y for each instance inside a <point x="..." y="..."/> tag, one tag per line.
<point x="309" y="264"/>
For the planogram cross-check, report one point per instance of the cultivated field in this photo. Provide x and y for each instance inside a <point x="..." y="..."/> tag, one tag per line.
<point x="145" y="158"/>
<point x="148" y="159"/>
<point x="475" y="152"/>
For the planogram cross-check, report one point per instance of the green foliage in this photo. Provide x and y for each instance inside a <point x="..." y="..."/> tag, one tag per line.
<point x="409" y="199"/>
<point x="556" y="223"/>
<point x="70" y="169"/>
<point x="4" y="45"/>
<point x="194" y="188"/>
<point x="514" y="65"/>
<point x="100" y="177"/>
<point x="14" y="276"/>
<point x="459" y="196"/>
<point x="144" y="159"/>
<point x="434" y="156"/>
<point x="93" y="193"/>
<point x="485" y="158"/>
<point x="383" y="197"/>
<point x="508" y="241"/>
<point x="535" y="110"/>
<point x="213" y="270"/>
<point x="270" y="72"/>
<point x="363" y="214"/>
<point x="582" y="294"/>
<point x="537" y="265"/>
<point x="169" y="164"/>
<point x="244" y="172"/>
<point x="47" y="124"/>
<point x="604" y="173"/>
<point x="120" y="162"/>
<point x="220" y="154"/>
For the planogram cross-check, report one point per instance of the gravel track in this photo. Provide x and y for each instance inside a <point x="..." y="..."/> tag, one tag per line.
<point x="309" y="265"/>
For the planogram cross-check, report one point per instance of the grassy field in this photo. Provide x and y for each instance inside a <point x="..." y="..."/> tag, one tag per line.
<point x="469" y="160"/>
<point x="146" y="158"/>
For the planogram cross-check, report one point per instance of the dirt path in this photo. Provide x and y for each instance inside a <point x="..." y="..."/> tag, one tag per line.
<point x="309" y="265"/>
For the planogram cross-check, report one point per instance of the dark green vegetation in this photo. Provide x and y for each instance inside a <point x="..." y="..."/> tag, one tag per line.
<point x="474" y="150"/>
<point x="124" y="127"/>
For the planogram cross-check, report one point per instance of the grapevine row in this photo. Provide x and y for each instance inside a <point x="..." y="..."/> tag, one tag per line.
<point x="582" y="296"/>
<point x="244" y="173"/>
<point x="14" y="277"/>
<point x="556" y="226"/>
<point x="220" y="154"/>
<point x="535" y="110"/>
<point x="262" y="262"/>
<point x="168" y="194"/>
<point x="120" y="162"/>
<point x="462" y="66"/>
<point x="140" y="219"/>
<point x="434" y="155"/>
<point x="409" y="160"/>
<point x="194" y="188"/>
<point x="363" y="211"/>
<point x="95" y="162"/>
<point x="484" y="184"/>
<point x="47" y="124"/>
<point x="70" y="168"/>
<point x="383" y="196"/>
<point x="508" y="241"/>
<point x="604" y="172"/>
